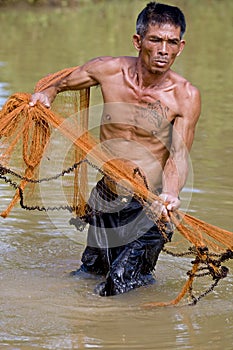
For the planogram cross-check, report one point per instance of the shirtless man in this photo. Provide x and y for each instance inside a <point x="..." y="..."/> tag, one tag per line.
<point x="149" y="119"/>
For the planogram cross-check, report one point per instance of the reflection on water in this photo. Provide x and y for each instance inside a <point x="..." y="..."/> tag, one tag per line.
<point x="4" y="92"/>
<point x="41" y="306"/>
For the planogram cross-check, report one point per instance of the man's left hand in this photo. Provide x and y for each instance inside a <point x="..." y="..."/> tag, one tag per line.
<point x="171" y="203"/>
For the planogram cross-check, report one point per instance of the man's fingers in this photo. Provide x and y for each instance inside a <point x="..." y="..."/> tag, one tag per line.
<point x="174" y="205"/>
<point x="40" y="97"/>
<point x="171" y="202"/>
<point x="159" y="209"/>
<point x="164" y="210"/>
<point x="170" y="207"/>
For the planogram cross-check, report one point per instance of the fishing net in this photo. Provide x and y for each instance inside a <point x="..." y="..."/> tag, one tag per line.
<point x="25" y="164"/>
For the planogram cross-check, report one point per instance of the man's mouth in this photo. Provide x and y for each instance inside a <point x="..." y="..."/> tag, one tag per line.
<point x="160" y="62"/>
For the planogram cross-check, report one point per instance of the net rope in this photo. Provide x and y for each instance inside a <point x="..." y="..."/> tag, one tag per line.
<point x="27" y="131"/>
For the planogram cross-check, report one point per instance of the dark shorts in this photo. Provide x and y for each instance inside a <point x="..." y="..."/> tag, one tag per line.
<point x="123" y="244"/>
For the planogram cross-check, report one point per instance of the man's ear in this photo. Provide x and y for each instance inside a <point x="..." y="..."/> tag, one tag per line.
<point x="137" y="42"/>
<point x="182" y="45"/>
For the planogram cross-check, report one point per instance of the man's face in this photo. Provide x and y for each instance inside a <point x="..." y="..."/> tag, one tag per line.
<point x="159" y="47"/>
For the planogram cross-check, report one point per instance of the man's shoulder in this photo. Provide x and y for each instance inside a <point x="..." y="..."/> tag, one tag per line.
<point x="187" y="97"/>
<point x="109" y="64"/>
<point x="183" y="88"/>
<point x="184" y="83"/>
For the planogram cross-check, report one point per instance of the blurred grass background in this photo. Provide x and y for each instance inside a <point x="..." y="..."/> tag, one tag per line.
<point x="52" y="3"/>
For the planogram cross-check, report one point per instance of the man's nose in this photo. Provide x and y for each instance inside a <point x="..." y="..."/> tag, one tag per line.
<point x="163" y="50"/>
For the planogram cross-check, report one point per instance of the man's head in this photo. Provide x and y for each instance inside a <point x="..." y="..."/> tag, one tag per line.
<point x="159" y="36"/>
<point x="158" y="14"/>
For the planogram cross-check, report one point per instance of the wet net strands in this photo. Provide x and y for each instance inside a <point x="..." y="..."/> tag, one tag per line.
<point x="28" y="130"/>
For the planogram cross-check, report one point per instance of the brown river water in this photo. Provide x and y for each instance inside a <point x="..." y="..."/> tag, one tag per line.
<point x="41" y="306"/>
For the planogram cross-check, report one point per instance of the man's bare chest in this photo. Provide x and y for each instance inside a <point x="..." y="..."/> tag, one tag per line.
<point x="152" y="107"/>
<point x="142" y="117"/>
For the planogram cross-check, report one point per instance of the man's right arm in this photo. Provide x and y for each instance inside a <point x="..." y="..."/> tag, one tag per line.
<point x="83" y="76"/>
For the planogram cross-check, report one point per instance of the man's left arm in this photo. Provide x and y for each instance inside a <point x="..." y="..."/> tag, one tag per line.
<point x="176" y="168"/>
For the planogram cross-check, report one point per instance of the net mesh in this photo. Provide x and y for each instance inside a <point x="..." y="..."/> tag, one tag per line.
<point x="26" y="136"/>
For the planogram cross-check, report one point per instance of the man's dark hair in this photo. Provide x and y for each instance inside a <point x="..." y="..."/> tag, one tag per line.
<point x="156" y="13"/>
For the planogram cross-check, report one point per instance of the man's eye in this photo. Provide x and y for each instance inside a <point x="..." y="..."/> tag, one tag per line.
<point x="173" y="42"/>
<point x="155" y="40"/>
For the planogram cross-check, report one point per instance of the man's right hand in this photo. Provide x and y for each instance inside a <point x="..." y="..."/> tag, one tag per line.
<point x="41" y="97"/>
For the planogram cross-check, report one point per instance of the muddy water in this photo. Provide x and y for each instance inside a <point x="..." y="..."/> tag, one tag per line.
<point x="41" y="306"/>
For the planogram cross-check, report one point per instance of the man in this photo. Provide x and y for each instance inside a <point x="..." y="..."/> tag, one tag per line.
<point x="149" y="119"/>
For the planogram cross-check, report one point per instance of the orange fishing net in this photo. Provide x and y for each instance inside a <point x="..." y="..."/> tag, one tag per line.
<point x="25" y="134"/>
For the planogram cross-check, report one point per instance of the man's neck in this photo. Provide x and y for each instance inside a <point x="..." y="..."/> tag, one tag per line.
<point x="146" y="79"/>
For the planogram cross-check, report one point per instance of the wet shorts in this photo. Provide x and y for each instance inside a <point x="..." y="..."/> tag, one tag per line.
<point x="123" y="244"/>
